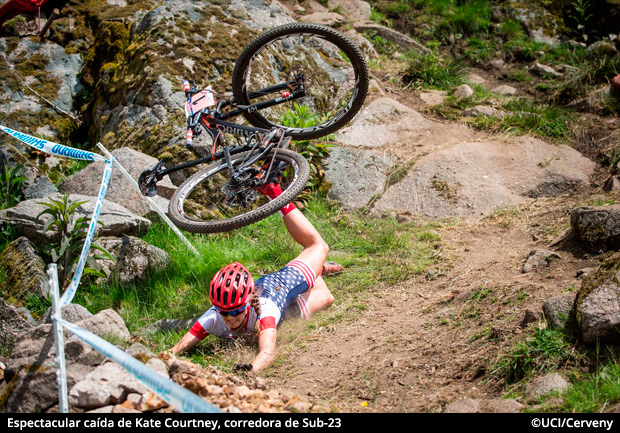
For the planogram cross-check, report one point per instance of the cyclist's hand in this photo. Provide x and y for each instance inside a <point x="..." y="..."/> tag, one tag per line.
<point x="243" y="367"/>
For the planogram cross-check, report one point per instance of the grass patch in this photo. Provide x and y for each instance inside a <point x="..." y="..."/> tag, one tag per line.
<point x="434" y="72"/>
<point x="373" y="251"/>
<point x="545" y="350"/>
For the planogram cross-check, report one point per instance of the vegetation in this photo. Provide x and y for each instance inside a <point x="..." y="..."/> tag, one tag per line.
<point x="71" y="235"/>
<point x="11" y="181"/>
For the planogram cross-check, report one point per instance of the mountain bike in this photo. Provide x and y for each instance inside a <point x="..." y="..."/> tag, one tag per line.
<point x="294" y="82"/>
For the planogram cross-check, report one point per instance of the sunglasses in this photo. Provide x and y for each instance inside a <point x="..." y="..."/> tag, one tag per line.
<point x="233" y="313"/>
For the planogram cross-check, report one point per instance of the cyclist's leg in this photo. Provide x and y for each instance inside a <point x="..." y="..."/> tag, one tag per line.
<point x="318" y="297"/>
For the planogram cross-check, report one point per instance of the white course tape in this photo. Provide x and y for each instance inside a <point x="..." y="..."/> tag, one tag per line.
<point x="67" y="297"/>
<point x="53" y="148"/>
<point x="177" y="396"/>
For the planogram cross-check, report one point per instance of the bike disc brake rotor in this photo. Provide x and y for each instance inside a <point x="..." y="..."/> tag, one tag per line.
<point x="241" y="192"/>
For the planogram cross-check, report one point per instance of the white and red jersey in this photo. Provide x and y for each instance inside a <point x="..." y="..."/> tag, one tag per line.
<point x="276" y="292"/>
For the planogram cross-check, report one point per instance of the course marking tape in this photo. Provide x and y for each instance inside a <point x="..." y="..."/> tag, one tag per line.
<point x="67" y="297"/>
<point x="177" y="396"/>
<point x="53" y="148"/>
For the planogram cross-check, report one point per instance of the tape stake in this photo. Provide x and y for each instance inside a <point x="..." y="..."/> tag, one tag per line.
<point x="51" y="147"/>
<point x="178" y="397"/>
<point x="67" y="297"/>
<point x="61" y="369"/>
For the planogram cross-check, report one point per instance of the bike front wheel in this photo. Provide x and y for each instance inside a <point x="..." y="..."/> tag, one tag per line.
<point x="314" y="58"/>
<point x="210" y="201"/>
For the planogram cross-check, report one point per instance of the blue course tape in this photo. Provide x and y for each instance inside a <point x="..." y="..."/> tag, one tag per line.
<point x="177" y="396"/>
<point x="67" y="297"/>
<point x="53" y="148"/>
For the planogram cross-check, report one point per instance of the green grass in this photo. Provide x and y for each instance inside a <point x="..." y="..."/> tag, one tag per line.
<point x="595" y="392"/>
<point x="434" y="72"/>
<point x="373" y="251"/>
<point x="543" y="351"/>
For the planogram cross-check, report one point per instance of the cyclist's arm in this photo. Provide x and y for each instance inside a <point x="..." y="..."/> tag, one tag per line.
<point x="301" y="229"/>
<point x="187" y="342"/>
<point x="266" y="349"/>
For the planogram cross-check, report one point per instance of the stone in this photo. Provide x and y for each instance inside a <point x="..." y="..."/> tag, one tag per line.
<point x="537" y="259"/>
<point x="463" y="92"/>
<point x="467" y="405"/>
<point x="117" y="221"/>
<point x="530" y="317"/>
<point x="71" y="313"/>
<point x="558" y="310"/>
<point x="542" y="70"/>
<point x="543" y="385"/>
<point x="475" y="79"/>
<point x="370" y="171"/>
<point x="13" y="323"/>
<point x="500" y="405"/>
<point x="598" y="303"/>
<point x="25" y="271"/>
<point x="504" y="90"/>
<point x="36" y="184"/>
<point x="331" y="19"/>
<point x="484" y="110"/>
<point x="120" y="190"/>
<point x="135" y="258"/>
<point x="392" y="35"/>
<point x="353" y="10"/>
<point x="106" y="323"/>
<point x="434" y="97"/>
<point x="597" y="228"/>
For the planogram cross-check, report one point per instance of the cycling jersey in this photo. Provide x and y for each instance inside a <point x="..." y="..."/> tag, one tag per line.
<point x="276" y="291"/>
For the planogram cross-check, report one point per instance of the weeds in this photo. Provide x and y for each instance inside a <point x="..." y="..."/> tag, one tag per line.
<point x="432" y="71"/>
<point x="545" y="350"/>
<point x="11" y="181"/>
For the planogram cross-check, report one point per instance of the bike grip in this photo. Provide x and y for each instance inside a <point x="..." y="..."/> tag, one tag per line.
<point x="190" y="137"/>
<point x="186" y="85"/>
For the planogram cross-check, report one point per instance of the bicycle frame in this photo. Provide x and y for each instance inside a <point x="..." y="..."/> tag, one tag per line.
<point x="213" y="122"/>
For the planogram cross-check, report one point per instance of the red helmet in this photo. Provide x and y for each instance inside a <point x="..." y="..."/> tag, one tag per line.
<point x="231" y="287"/>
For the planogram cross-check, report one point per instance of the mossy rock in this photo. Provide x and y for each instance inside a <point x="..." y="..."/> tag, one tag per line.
<point x="597" y="228"/>
<point x="24" y="269"/>
<point x="598" y="303"/>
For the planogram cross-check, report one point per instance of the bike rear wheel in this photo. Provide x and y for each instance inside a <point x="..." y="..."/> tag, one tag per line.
<point x="211" y="202"/>
<point x="334" y="72"/>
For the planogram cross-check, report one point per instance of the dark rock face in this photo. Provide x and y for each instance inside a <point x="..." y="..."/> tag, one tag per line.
<point x="597" y="228"/>
<point x="25" y="270"/>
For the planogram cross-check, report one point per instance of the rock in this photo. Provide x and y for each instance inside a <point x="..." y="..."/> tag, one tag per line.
<point x="597" y="228"/>
<point x="260" y="14"/>
<point x="612" y="184"/>
<point x="542" y="70"/>
<point x="363" y="44"/>
<point x="473" y="178"/>
<point x="331" y="19"/>
<point x="134" y="259"/>
<point x="497" y="64"/>
<point x="399" y="130"/>
<point x="140" y="352"/>
<point x="598" y="303"/>
<point x="25" y="270"/>
<point x="538" y="258"/>
<point x="463" y="92"/>
<point x="356" y="175"/>
<point x="434" y="97"/>
<point x="117" y="220"/>
<point x="529" y="318"/>
<point x="13" y="323"/>
<point x="106" y="323"/>
<point x="36" y="387"/>
<point x="543" y="385"/>
<point x="37" y="184"/>
<point x="398" y="38"/>
<point x="353" y="10"/>
<point x="468" y="405"/>
<point x="559" y="310"/>
<point x="484" y="110"/>
<point x="505" y="90"/>
<point x="500" y="405"/>
<point x="602" y="48"/>
<point x="120" y="191"/>
<point x="72" y="313"/>
<point x="475" y="79"/>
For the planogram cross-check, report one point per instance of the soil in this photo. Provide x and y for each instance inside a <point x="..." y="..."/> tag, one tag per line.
<point x="435" y="339"/>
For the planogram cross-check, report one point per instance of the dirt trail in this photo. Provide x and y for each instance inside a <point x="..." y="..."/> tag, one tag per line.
<point x="429" y="341"/>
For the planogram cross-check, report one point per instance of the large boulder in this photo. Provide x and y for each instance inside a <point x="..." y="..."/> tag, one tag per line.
<point x="14" y="322"/>
<point x="120" y="190"/>
<point x="597" y="228"/>
<point x="134" y="259"/>
<point x="117" y="221"/>
<point x="598" y="303"/>
<point x="473" y="179"/>
<point x="24" y="269"/>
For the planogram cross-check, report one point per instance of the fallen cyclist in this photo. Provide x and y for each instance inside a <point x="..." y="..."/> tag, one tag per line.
<point x="242" y="307"/>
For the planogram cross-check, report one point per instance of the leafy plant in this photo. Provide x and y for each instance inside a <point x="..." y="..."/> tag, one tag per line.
<point x="581" y="17"/>
<point x="315" y="152"/>
<point x="71" y="235"/>
<point x="11" y="181"/>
